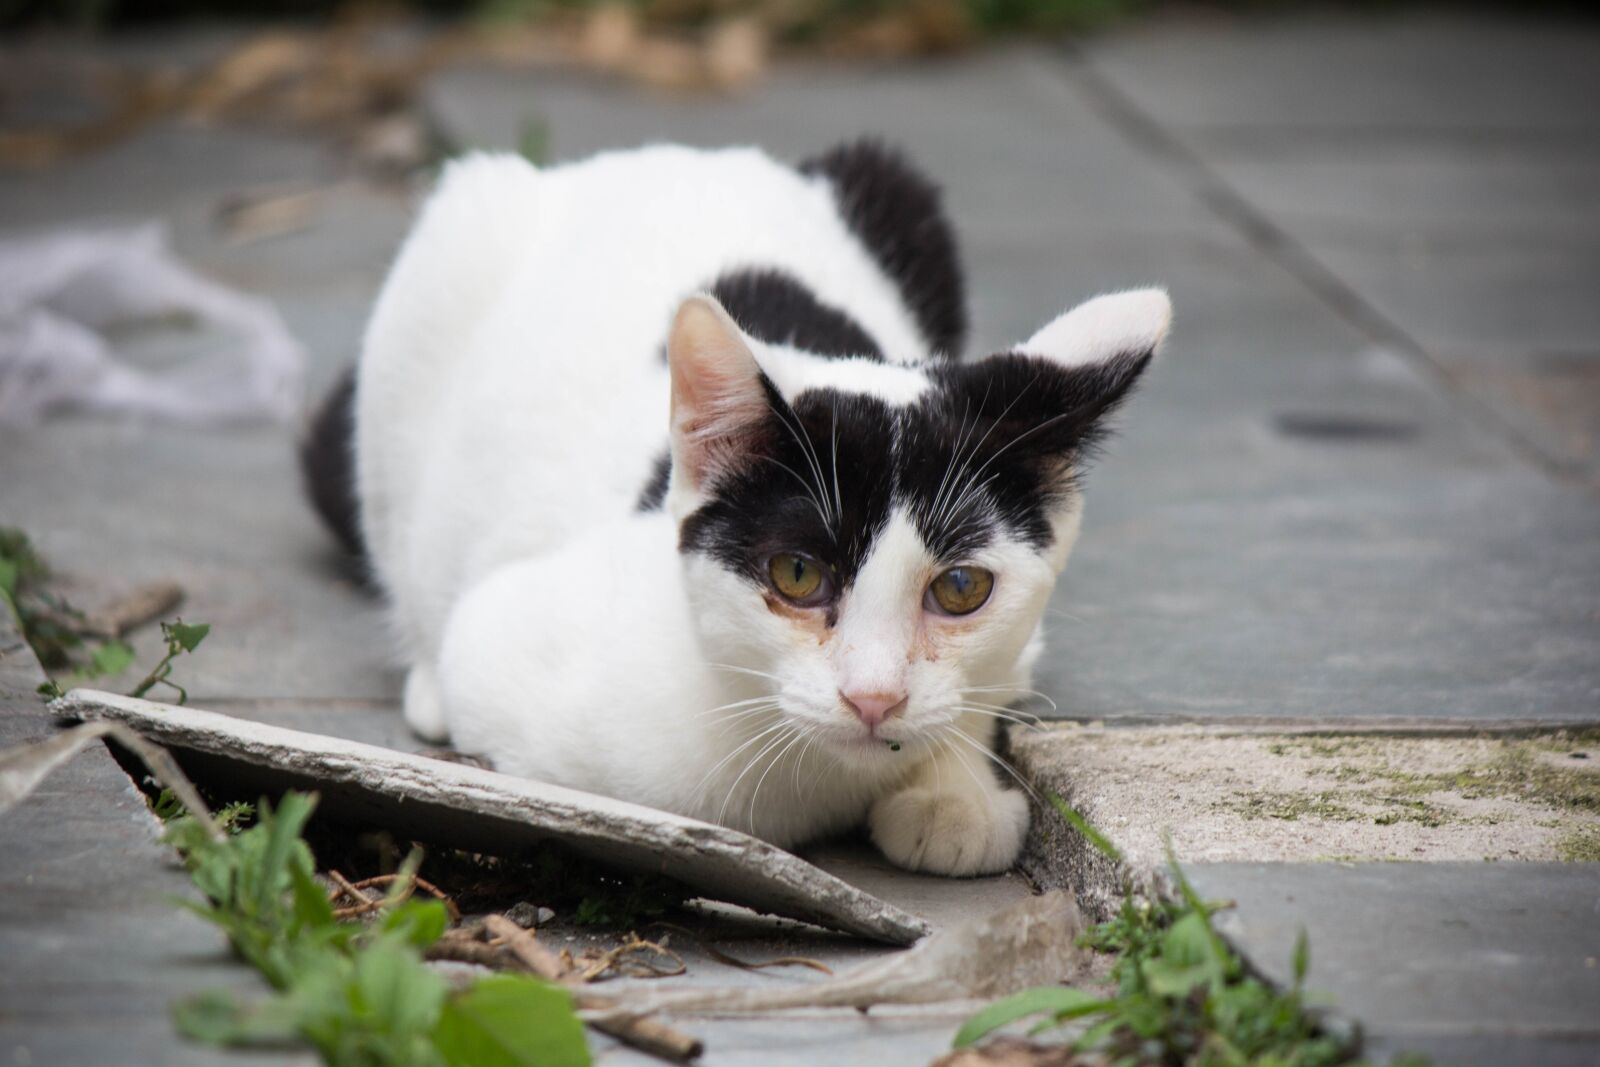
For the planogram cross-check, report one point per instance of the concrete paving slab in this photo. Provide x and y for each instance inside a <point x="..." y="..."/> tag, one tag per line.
<point x="1476" y="964"/>
<point x="1517" y="74"/>
<point x="1447" y="197"/>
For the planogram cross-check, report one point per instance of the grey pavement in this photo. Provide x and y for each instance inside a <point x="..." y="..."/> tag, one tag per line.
<point x="1361" y="486"/>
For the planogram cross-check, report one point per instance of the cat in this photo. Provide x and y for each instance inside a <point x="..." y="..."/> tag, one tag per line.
<point x="678" y="493"/>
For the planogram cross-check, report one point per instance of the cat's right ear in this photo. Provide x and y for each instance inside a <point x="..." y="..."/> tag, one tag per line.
<point x="720" y="409"/>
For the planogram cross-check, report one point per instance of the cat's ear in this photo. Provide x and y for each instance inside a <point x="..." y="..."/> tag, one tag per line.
<point x="719" y="395"/>
<point x="1052" y="393"/>
<point x="1115" y="326"/>
<point x="1099" y="349"/>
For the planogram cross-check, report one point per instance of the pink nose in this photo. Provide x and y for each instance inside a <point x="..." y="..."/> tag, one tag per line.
<point x="873" y="708"/>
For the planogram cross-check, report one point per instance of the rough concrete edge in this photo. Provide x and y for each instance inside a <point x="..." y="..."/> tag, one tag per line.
<point x="722" y="863"/>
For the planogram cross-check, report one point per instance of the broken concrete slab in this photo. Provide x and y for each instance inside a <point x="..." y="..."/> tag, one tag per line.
<point x="484" y="811"/>
<point x="1292" y="794"/>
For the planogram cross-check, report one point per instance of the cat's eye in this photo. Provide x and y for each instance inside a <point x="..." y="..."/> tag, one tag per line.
<point x="799" y="578"/>
<point x="959" y="591"/>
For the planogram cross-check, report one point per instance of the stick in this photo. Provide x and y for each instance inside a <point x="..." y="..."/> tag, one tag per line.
<point x="137" y="606"/>
<point x="646" y="1035"/>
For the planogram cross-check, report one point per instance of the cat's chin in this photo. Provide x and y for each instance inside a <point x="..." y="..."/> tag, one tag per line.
<point x="866" y="751"/>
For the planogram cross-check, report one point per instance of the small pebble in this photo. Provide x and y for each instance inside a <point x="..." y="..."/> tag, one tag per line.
<point x="528" y="915"/>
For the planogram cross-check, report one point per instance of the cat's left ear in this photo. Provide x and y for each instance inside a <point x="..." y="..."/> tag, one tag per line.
<point x="1053" y="392"/>
<point x="720" y="409"/>
<point x="1117" y="326"/>
<point x="1092" y="355"/>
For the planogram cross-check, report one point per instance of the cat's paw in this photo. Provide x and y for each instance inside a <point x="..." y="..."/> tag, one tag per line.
<point x="923" y="829"/>
<point x="423" y="706"/>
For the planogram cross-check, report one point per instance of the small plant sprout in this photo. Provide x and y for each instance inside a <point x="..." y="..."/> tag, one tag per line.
<point x="181" y="637"/>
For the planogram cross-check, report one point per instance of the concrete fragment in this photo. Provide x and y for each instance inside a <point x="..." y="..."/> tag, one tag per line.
<point x="484" y="811"/>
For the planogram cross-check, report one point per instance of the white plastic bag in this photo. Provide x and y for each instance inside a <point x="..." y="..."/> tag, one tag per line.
<point x="60" y="290"/>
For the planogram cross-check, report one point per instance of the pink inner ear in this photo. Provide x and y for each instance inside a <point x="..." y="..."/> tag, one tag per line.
<point x="718" y="401"/>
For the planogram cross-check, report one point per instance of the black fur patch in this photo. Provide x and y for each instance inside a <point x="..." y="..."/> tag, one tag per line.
<point x="777" y="308"/>
<point x="328" y="462"/>
<point x="995" y="446"/>
<point x="1003" y="439"/>
<point x="821" y="487"/>
<point x="897" y="213"/>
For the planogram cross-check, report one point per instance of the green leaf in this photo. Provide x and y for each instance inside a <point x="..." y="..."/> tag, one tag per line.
<point x="215" y="1018"/>
<point x="282" y="831"/>
<point x="312" y="908"/>
<point x="1100" y="841"/>
<point x="398" y="989"/>
<point x="418" y="922"/>
<point x="9" y="573"/>
<point x="1060" y="1002"/>
<point x="187" y="635"/>
<point x="507" y="1021"/>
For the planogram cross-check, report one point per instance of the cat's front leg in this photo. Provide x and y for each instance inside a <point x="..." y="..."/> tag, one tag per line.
<point x="951" y="816"/>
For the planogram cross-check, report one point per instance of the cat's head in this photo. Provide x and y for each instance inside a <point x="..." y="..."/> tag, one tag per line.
<point x="871" y="545"/>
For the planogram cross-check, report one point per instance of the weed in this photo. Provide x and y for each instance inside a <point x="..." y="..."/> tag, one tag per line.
<point x="358" y="993"/>
<point x="1183" y="996"/>
<point x="181" y="637"/>
<point x="56" y="631"/>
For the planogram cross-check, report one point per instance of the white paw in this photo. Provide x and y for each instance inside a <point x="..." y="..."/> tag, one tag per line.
<point x="424" y="709"/>
<point x="950" y="833"/>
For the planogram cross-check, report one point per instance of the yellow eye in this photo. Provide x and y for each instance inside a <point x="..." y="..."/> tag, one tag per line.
<point x="960" y="590"/>
<point x="798" y="578"/>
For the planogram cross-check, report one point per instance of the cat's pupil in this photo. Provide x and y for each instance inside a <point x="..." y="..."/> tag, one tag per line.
<point x="799" y="571"/>
<point x="961" y="580"/>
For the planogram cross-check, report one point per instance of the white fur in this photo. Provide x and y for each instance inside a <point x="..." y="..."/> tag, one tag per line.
<point x="511" y="404"/>
<point x="1134" y="321"/>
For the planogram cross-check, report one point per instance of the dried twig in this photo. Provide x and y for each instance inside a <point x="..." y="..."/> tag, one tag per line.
<point x="747" y="965"/>
<point x="646" y="1035"/>
<point x="464" y="950"/>
<point x="22" y="768"/>
<point x="630" y="960"/>
<point x="134" y="608"/>
<point x="365" y="903"/>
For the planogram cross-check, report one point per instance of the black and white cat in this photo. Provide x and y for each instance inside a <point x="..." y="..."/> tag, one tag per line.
<point x="678" y="493"/>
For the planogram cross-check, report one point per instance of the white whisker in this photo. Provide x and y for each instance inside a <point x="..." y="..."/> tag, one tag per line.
<point x="1002" y="764"/>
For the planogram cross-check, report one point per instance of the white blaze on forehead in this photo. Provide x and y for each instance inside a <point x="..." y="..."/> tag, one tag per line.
<point x="882" y="610"/>
<point x="794" y="371"/>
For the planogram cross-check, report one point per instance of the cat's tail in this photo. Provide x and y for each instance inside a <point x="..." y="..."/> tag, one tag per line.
<point x="328" y="464"/>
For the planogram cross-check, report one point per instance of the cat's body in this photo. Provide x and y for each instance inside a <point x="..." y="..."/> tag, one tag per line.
<point x="574" y="615"/>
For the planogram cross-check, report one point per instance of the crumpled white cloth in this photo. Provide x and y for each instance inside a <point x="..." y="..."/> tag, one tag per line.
<point x="60" y="290"/>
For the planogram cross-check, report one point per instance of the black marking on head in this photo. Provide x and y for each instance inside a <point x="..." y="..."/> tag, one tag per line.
<point x="897" y="213"/>
<point x="654" y="493"/>
<point x="775" y="307"/>
<point x="995" y="446"/>
<point x="820" y="486"/>
<point x="1004" y="440"/>
<point x="328" y="462"/>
